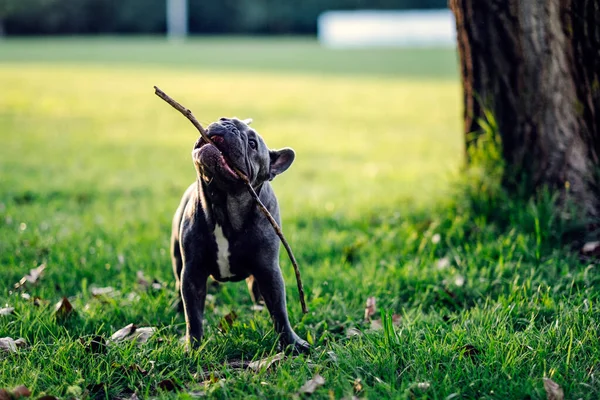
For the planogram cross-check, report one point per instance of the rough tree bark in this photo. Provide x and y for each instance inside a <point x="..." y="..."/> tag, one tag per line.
<point x="536" y="65"/>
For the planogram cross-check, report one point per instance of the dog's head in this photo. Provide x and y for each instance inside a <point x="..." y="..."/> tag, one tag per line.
<point x="244" y="149"/>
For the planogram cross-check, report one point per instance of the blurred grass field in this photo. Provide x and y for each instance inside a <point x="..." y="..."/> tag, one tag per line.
<point x="92" y="166"/>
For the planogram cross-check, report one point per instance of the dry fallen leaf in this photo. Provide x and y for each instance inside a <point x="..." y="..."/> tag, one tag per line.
<point x="377" y="324"/>
<point x="21" y="391"/>
<point x="10" y="345"/>
<point x="370" y="308"/>
<point x="227" y="321"/>
<point x="142" y="280"/>
<point x="128" y="369"/>
<point x="6" y="311"/>
<point x="265" y="362"/>
<point x="95" y="344"/>
<point x="553" y="390"/>
<point x="591" y="248"/>
<point x="5" y="395"/>
<point x="145" y="283"/>
<point x="167" y="385"/>
<point x="313" y="384"/>
<point x="103" y="291"/>
<point x="142" y="335"/>
<point x="122" y="333"/>
<point x="32" y="277"/>
<point x="96" y="389"/>
<point x="352" y="332"/>
<point x="63" y="308"/>
<point x="132" y="332"/>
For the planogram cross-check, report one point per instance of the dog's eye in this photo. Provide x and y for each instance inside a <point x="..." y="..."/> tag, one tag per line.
<point x="252" y="144"/>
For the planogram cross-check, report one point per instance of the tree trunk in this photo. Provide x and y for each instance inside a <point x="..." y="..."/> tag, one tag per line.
<point x="535" y="64"/>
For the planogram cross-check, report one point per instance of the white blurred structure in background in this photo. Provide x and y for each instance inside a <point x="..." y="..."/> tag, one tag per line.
<point x="417" y="28"/>
<point x="177" y="19"/>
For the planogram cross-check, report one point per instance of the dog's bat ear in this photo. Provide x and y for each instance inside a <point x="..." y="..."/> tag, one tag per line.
<point x="247" y="121"/>
<point x="280" y="161"/>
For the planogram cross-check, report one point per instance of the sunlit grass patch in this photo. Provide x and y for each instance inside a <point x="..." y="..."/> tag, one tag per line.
<point x="92" y="166"/>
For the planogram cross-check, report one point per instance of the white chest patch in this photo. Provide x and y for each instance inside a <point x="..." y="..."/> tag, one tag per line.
<point x="222" y="253"/>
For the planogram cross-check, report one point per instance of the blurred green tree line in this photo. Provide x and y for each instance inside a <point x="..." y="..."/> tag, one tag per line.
<point x="30" y="17"/>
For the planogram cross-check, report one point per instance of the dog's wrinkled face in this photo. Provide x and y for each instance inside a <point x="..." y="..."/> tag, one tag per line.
<point x="245" y="150"/>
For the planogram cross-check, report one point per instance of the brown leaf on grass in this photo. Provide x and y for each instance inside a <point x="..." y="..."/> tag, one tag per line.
<point x="128" y="369"/>
<point x="311" y="385"/>
<point x="142" y="280"/>
<point x="96" y="389"/>
<point x="63" y="308"/>
<point x="6" y="311"/>
<point x="37" y="301"/>
<point x="370" y="308"/>
<point x="265" y="363"/>
<point x="132" y="332"/>
<point x="227" y="321"/>
<point x="95" y="344"/>
<point x="21" y="391"/>
<point x="553" y="390"/>
<point x="16" y="393"/>
<point x="145" y="283"/>
<point x="137" y="369"/>
<point x="10" y="345"/>
<point x="167" y="385"/>
<point x="591" y="249"/>
<point x="31" y="277"/>
<point x="377" y="324"/>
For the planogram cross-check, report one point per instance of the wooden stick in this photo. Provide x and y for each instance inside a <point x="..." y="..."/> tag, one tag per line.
<point x="188" y="114"/>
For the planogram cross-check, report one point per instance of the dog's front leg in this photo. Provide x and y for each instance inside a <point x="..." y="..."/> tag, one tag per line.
<point x="193" y="293"/>
<point x="272" y="288"/>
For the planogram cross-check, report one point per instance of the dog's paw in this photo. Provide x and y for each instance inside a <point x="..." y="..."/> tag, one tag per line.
<point x="296" y="346"/>
<point x="301" y="347"/>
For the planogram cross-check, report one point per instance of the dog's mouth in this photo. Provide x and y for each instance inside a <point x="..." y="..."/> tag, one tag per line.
<point x="212" y="156"/>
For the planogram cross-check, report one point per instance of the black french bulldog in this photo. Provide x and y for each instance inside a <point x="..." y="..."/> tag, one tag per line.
<point x="219" y="231"/>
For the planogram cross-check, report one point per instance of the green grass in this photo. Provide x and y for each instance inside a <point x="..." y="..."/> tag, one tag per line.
<point x="92" y="166"/>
